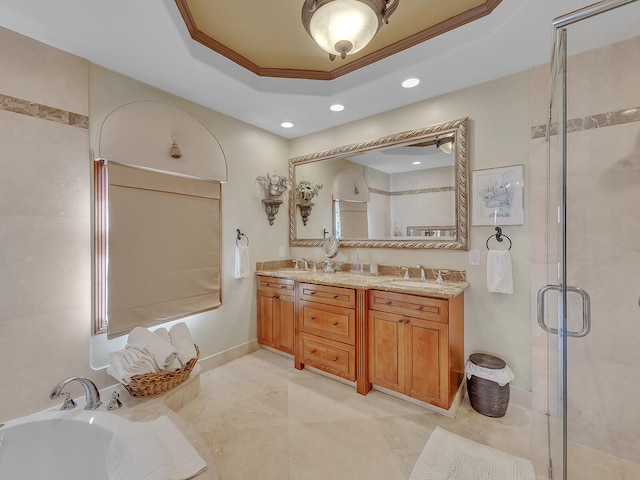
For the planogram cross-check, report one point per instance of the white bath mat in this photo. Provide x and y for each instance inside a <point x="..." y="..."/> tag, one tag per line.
<point x="447" y="456"/>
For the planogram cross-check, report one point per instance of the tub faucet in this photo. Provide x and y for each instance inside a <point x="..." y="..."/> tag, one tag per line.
<point x="90" y="390"/>
<point x="423" y="277"/>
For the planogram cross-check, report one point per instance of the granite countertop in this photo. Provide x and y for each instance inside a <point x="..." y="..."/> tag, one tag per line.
<point x="366" y="281"/>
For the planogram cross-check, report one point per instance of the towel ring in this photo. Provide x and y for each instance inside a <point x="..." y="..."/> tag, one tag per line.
<point x="240" y="235"/>
<point x="499" y="236"/>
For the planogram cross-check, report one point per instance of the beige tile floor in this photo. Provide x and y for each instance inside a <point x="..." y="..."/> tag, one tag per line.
<point x="262" y="419"/>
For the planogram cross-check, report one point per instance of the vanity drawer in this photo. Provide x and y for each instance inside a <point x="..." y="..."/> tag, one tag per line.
<point x="343" y="297"/>
<point x="333" y="357"/>
<point x="274" y="284"/>
<point x="329" y="321"/>
<point x="428" y="308"/>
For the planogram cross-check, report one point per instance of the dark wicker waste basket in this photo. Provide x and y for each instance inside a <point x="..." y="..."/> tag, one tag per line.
<point x="486" y="396"/>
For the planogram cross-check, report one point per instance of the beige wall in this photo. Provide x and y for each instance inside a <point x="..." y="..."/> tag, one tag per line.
<point x="45" y="293"/>
<point x="45" y="279"/>
<point x="45" y="221"/>
<point x="498" y="135"/>
<point x="249" y="152"/>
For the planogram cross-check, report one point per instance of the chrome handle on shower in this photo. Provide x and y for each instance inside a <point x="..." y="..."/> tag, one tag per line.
<point x="586" y="310"/>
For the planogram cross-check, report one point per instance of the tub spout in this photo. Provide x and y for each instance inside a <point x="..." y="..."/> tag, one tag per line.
<point x="90" y="390"/>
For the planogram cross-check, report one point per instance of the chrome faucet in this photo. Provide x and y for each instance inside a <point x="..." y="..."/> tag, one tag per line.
<point x="423" y="277"/>
<point x="406" y="273"/>
<point x="440" y="272"/>
<point x="90" y="390"/>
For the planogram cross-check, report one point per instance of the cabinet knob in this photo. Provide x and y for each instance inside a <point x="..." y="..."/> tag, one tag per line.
<point x="419" y="308"/>
<point x="283" y="286"/>
<point x="312" y="351"/>
<point x="400" y="321"/>
<point x="312" y="293"/>
<point x="388" y="302"/>
<point x="406" y="322"/>
<point x="312" y="318"/>
<point x="335" y="323"/>
<point x="274" y="296"/>
<point x="335" y="359"/>
<point x="335" y="297"/>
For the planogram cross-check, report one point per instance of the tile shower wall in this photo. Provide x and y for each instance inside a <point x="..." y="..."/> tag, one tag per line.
<point x="604" y="257"/>
<point x="45" y="294"/>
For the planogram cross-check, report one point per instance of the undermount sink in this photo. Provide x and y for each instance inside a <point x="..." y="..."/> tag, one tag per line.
<point x="417" y="284"/>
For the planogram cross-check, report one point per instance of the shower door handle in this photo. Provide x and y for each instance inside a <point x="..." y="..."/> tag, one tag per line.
<point x="586" y="310"/>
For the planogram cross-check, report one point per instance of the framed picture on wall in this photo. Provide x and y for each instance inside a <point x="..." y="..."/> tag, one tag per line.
<point x="498" y="195"/>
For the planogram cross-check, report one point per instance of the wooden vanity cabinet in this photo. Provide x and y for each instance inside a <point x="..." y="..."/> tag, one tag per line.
<point x="327" y="329"/>
<point x="416" y="345"/>
<point x="276" y="313"/>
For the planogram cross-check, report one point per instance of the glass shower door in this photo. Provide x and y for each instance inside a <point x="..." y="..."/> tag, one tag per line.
<point x="588" y="184"/>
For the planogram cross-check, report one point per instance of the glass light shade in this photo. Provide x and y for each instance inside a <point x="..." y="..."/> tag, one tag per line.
<point x="445" y="144"/>
<point x="343" y="21"/>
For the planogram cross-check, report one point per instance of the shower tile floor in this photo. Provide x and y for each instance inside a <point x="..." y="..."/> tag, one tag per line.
<point x="263" y="419"/>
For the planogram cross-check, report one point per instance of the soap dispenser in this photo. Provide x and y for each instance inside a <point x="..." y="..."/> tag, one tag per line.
<point x="357" y="267"/>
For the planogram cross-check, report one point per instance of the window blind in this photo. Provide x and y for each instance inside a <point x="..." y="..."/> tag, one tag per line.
<point x="162" y="247"/>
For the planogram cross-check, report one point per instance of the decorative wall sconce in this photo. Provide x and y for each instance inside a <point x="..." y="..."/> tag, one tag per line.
<point x="175" y="150"/>
<point x="306" y="191"/>
<point x="274" y="186"/>
<point x="305" y="211"/>
<point x="271" y="206"/>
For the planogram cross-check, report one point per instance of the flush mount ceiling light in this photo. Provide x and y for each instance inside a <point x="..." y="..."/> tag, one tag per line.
<point x="286" y="125"/>
<point x="411" y="82"/>
<point x="342" y="27"/>
<point x="336" y="107"/>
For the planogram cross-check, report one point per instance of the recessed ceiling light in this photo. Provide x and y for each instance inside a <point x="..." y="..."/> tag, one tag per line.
<point x="286" y="125"/>
<point x="417" y="163"/>
<point x="336" y="108"/>
<point x="410" y="82"/>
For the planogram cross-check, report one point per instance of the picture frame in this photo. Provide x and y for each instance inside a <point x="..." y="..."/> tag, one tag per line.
<point x="498" y="196"/>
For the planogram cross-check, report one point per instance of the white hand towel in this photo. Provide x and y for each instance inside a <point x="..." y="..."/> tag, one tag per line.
<point x="163" y="352"/>
<point x="499" y="272"/>
<point x="181" y="339"/>
<point x="154" y="450"/>
<point x="242" y="265"/>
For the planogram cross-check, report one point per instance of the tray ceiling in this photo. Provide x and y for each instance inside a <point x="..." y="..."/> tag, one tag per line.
<point x="272" y="42"/>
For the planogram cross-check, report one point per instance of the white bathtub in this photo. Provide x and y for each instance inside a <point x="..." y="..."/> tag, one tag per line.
<point x="60" y="445"/>
<point x="93" y="445"/>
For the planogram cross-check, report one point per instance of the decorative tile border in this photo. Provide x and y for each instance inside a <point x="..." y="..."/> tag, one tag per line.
<point x="592" y="121"/>
<point x="412" y="192"/>
<point x="24" y="107"/>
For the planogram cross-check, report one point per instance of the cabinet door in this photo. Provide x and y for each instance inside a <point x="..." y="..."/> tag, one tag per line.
<point x="387" y="350"/>
<point x="276" y="316"/>
<point x="426" y="361"/>
<point x="267" y="314"/>
<point x="285" y="323"/>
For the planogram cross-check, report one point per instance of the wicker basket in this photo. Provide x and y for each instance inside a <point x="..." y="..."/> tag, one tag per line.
<point x="151" y="384"/>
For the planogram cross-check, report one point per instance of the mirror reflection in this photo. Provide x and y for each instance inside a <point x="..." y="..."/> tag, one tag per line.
<point x="405" y="191"/>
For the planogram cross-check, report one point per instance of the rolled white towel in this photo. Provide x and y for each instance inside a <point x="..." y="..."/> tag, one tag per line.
<point x="182" y="341"/>
<point x="175" y="363"/>
<point x="163" y="352"/>
<point x="132" y="360"/>
<point x="164" y="334"/>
